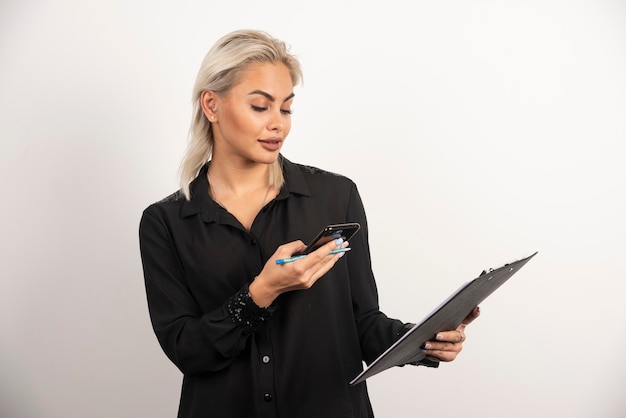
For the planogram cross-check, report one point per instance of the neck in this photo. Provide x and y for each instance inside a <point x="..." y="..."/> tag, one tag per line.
<point x="237" y="179"/>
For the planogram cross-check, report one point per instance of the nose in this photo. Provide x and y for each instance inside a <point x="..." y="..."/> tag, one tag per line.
<point x="275" y="122"/>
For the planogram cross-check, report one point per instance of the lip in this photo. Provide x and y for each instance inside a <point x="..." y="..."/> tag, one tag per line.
<point x="271" y="144"/>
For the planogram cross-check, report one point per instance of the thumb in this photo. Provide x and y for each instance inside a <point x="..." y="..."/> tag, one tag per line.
<point x="290" y="248"/>
<point x="472" y="315"/>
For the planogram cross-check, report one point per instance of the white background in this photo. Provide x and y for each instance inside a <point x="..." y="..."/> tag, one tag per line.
<point x="478" y="132"/>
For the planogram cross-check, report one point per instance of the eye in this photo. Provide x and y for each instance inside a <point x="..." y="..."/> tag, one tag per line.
<point x="258" y="108"/>
<point x="286" y="111"/>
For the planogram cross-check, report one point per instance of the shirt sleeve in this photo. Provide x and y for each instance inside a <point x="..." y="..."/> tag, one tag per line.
<point x="376" y="331"/>
<point x="194" y="342"/>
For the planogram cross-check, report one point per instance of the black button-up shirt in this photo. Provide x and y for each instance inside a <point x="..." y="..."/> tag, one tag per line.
<point x="292" y="361"/>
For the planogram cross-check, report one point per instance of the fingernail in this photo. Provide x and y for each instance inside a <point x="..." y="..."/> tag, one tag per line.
<point x="428" y="346"/>
<point x="345" y="244"/>
<point x="341" y="254"/>
<point x="439" y="337"/>
<point x="338" y="241"/>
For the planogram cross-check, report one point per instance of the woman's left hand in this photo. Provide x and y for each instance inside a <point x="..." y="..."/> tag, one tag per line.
<point x="448" y="344"/>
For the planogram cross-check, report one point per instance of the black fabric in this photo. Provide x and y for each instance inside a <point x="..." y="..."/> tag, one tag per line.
<point x="293" y="361"/>
<point x="245" y="313"/>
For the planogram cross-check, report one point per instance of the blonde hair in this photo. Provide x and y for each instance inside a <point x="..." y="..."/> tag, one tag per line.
<point x="219" y="71"/>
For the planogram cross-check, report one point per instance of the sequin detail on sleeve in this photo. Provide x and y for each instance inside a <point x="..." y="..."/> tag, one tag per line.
<point x="245" y="313"/>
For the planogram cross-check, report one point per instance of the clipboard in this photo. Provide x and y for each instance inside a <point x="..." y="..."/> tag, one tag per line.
<point x="447" y="316"/>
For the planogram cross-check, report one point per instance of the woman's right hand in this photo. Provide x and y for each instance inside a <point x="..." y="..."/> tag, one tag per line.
<point x="275" y="279"/>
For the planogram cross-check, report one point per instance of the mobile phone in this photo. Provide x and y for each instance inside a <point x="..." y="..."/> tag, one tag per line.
<point x="330" y="233"/>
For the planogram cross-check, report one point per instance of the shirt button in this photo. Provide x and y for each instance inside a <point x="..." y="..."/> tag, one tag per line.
<point x="266" y="359"/>
<point x="267" y="397"/>
<point x="253" y="242"/>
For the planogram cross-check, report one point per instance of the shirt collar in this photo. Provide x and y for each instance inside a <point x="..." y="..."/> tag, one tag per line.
<point x="210" y="211"/>
<point x="294" y="180"/>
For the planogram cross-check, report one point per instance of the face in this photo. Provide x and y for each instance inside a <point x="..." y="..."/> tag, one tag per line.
<point x="253" y="118"/>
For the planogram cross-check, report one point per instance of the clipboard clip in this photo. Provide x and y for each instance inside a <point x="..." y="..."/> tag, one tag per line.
<point x="485" y="272"/>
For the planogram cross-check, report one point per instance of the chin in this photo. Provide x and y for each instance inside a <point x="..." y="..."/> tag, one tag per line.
<point x="268" y="158"/>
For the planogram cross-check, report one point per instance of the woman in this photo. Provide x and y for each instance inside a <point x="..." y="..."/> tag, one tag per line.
<point x="254" y="338"/>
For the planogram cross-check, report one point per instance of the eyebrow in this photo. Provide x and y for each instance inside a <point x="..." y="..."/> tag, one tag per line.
<point x="269" y="96"/>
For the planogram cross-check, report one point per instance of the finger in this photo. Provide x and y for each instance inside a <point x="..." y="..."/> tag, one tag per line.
<point x="323" y="260"/>
<point x="322" y="254"/>
<point x="472" y="315"/>
<point x="325" y="252"/>
<point x="442" y="351"/>
<point x="331" y="245"/>
<point x="290" y="248"/>
<point x="454" y="336"/>
<point x="307" y="269"/>
<point x="442" y="346"/>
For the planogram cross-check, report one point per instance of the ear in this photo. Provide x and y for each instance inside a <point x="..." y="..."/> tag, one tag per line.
<point x="208" y="101"/>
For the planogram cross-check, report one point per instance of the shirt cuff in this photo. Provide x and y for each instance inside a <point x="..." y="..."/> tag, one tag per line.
<point x="245" y="313"/>
<point x="426" y="362"/>
<point x="423" y="362"/>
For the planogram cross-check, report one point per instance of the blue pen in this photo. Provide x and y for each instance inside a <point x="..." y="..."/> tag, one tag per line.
<point x="292" y="259"/>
